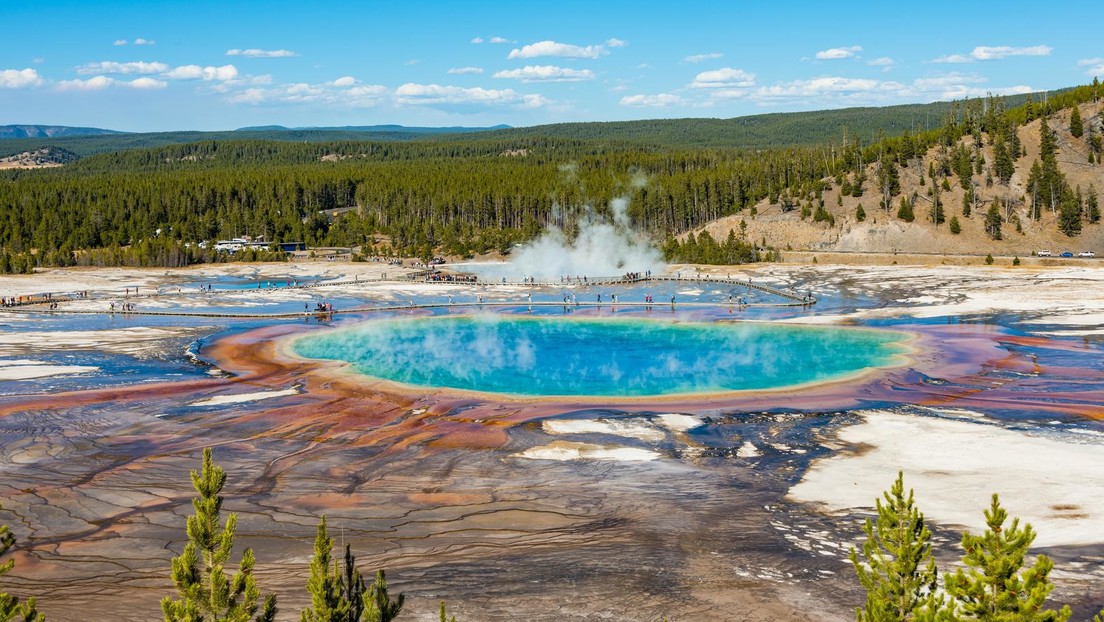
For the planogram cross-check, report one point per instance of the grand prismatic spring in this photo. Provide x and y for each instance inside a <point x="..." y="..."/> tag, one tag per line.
<point x="607" y="358"/>
<point x="515" y="453"/>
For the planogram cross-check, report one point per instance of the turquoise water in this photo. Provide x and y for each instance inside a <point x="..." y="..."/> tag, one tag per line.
<point x="599" y="357"/>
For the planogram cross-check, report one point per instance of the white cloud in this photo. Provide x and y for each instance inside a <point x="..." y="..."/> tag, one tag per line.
<point x="998" y="52"/>
<point x="141" y="41"/>
<point x="883" y="61"/>
<point x="137" y="67"/>
<point x="616" y="43"/>
<point x="697" y="58"/>
<point x="256" y="53"/>
<point x="19" y="78"/>
<point x="119" y="42"/>
<point x="546" y="73"/>
<point x="465" y="70"/>
<point x="957" y="86"/>
<point x="499" y="40"/>
<point x="99" y="83"/>
<point x="412" y="62"/>
<point x="329" y="93"/>
<point x="564" y="50"/>
<point x="839" y="53"/>
<point x="954" y="58"/>
<point x="368" y="91"/>
<point x="726" y="77"/>
<point x="343" y="92"/>
<point x="436" y="94"/>
<point x="1094" y="66"/>
<point x="195" y="72"/>
<point x="660" y="100"/>
<point x="147" y="83"/>
<point x="477" y="40"/>
<point x="829" y="91"/>
<point x="825" y="85"/>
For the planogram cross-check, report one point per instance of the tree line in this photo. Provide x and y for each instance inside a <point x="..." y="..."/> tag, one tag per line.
<point x="470" y="196"/>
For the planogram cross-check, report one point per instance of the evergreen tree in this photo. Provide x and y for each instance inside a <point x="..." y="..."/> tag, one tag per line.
<point x="10" y="607"/>
<point x="1047" y="143"/>
<point x="1034" y="187"/>
<point x="897" y="568"/>
<point x="1069" y="215"/>
<point x="1002" y="161"/>
<point x="378" y="606"/>
<point x="905" y="212"/>
<point x="207" y="594"/>
<point x="996" y="587"/>
<point x="1077" y="126"/>
<point x="860" y="213"/>
<point x="1092" y="206"/>
<point x="955" y="227"/>
<point x="993" y="221"/>
<point x="446" y="618"/>
<point x="937" y="215"/>
<point x="325" y="584"/>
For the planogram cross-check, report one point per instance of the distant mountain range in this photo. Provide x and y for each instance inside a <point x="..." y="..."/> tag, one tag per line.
<point x="50" y="131"/>
<point x="373" y="128"/>
<point x="84" y="141"/>
<point x="62" y="131"/>
<point x="750" y="132"/>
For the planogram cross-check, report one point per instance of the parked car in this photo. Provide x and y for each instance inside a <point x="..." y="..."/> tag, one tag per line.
<point x="1066" y="254"/>
<point x="1043" y="253"/>
<point x="1086" y="254"/>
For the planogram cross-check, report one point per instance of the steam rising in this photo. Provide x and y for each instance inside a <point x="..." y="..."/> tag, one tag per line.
<point x="603" y="247"/>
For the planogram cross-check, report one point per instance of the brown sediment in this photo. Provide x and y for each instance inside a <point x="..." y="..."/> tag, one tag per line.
<point x="422" y="483"/>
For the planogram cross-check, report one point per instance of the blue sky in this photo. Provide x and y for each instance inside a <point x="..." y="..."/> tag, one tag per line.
<point x="149" y="66"/>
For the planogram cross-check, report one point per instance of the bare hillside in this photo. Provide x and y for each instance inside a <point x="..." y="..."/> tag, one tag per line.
<point x="884" y="232"/>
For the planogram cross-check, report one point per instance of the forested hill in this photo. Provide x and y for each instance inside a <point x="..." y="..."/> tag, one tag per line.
<point x="751" y="132"/>
<point x="1035" y="166"/>
<point x="86" y="145"/>
<point x="784" y="129"/>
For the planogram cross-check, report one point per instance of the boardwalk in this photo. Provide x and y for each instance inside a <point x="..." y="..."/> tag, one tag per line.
<point x="53" y="302"/>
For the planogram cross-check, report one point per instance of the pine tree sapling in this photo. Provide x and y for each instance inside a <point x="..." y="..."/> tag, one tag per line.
<point x="353" y="586"/>
<point x="896" y="567"/>
<point x="327" y="596"/>
<point x="206" y="592"/>
<point x="10" y="607"/>
<point x="955" y="227"/>
<point x="378" y="606"/>
<point x="996" y="586"/>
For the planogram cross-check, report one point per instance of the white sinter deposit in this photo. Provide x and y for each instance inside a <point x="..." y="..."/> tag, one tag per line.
<point x="956" y="465"/>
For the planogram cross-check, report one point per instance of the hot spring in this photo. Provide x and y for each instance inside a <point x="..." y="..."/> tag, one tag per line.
<point x="533" y="356"/>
